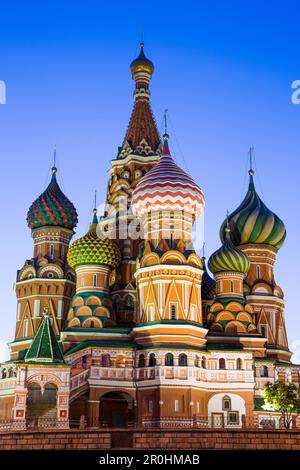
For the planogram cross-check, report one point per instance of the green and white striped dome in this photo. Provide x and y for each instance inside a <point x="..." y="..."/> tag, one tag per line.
<point x="228" y="258"/>
<point x="253" y="222"/>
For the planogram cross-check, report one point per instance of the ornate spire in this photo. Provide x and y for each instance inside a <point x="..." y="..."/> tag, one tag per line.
<point x="142" y="137"/>
<point x="44" y="347"/>
<point x="165" y="149"/>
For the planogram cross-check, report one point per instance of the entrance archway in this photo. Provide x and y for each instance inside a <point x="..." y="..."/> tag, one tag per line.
<point x="116" y="410"/>
<point x="41" y="407"/>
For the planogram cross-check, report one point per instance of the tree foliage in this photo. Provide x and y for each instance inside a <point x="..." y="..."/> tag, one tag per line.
<point x="284" y="398"/>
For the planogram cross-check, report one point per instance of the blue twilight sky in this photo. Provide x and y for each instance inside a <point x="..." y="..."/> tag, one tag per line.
<point x="223" y="69"/>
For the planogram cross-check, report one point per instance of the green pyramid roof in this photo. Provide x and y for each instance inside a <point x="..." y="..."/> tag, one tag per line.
<point x="44" y="347"/>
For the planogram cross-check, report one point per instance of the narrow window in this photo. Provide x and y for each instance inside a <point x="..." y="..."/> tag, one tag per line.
<point x="231" y="286"/>
<point x="173" y="312"/>
<point x="141" y="361"/>
<point x="176" y="405"/>
<point x="226" y="403"/>
<point x="258" y="272"/>
<point x="95" y="280"/>
<point x="263" y="331"/>
<point x="203" y="363"/>
<point x="264" y="372"/>
<point x="150" y="406"/>
<point x="169" y="359"/>
<point x="52" y="251"/>
<point x="222" y="364"/>
<point x="152" y="360"/>
<point x="182" y="360"/>
<point x="239" y="363"/>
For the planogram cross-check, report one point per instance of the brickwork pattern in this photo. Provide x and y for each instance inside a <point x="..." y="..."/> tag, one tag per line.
<point x="152" y="439"/>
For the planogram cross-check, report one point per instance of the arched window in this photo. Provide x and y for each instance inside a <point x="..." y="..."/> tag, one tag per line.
<point x="52" y="251"/>
<point x="264" y="371"/>
<point x="4" y="374"/>
<point x="239" y="363"/>
<point x="10" y="372"/>
<point x="182" y="360"/>
<point x="105" y="360"/>
<point x="232" y="286"/>
<point x="141" y="360"/>
<point x="169" y="359"/>
<point x="222" y="364"/>
<point x="152" y="360"/>
<point x="263" y="331"/>
<point x="203" y="362"/>
<point x="84" y="362"/>
<point x="95" y="280"/>
<point x="173" y="312"/>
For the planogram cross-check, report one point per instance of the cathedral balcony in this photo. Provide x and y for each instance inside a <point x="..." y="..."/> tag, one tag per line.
<point x="79" y="380"/>
<point x="7" y="386"/>
<point x="111" y="373"/>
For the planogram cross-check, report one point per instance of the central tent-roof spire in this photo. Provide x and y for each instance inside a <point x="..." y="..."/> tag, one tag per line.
<point x="142" y="136"/>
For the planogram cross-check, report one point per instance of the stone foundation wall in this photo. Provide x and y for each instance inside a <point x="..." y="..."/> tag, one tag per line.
<point x="152" y="439"/>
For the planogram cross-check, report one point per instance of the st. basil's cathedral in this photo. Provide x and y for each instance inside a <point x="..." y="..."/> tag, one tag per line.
<point x="118" y="331"/>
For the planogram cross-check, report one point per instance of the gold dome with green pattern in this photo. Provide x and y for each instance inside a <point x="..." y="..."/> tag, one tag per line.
<point x="91" y="249"/>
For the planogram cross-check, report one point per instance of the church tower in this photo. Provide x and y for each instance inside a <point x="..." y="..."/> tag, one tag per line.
<point x="46" y="278"/>
<point x="167" y="201"/>
<point x="139" y="152"/>
<point x="260" y="233"/>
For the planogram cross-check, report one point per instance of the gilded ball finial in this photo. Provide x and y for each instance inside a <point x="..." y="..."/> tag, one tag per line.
<point x="54" y="170"/>
<point x="251" y="172"/>
<point x="166" y="137"/>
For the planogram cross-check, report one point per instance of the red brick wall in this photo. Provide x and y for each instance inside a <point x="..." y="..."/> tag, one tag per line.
<point x="152" y="439"/>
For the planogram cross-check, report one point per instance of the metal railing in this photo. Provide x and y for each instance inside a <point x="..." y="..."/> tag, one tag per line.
<point x="268" y="422"/>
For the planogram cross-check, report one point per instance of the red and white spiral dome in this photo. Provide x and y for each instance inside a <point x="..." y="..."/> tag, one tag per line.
<point x="166" y="187"/>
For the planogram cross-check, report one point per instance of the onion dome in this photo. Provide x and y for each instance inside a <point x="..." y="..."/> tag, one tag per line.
<point x="141" y="63"/>
<point x="167" y="187"/>
<point x="253" y="222"/>
<point x="91" y="249"/>
<point x="228" y="258"/>
<point x="52" y="208"/>
<point x="208" y="284"/>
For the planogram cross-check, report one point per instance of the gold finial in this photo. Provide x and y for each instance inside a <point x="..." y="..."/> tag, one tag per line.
<point x="46" y="308"/>
<point x="95" y="202"/>
<point x="166" y="135"/>
<point x="54" y="169"/>
<point x="250" y="153"/>
<point x="227" y="229"/>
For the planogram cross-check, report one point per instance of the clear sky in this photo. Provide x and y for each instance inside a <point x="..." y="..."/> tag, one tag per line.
<point x="223" y="69"/>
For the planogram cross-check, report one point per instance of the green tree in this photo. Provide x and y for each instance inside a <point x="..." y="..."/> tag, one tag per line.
<point x="283" y="398"/>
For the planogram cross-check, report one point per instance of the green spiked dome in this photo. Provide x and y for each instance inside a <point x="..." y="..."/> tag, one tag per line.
<point x="91" y="249"/>
<point x="253" y="222"/>
<point x="44" y="347"/>
<point x="228" y="258"/>
<point x="52" y="208"/>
